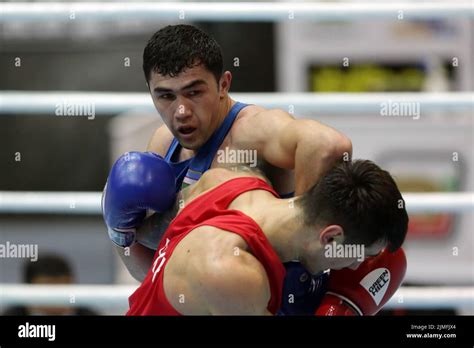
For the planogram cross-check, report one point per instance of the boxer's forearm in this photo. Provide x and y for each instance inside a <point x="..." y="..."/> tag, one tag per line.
<point x="308" y="147"/>
<point x="315" y="155"/>
<point x="137" y="259"/>
<point x="150" y="232"/>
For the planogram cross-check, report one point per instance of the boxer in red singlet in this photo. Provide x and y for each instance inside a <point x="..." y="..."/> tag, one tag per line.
<point x="223" y="252"/>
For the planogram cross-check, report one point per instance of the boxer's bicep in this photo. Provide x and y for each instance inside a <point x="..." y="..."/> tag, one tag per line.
<point x="304" y="136"/>
<point x="266" y="132"/>
<point x="160" y="141"/>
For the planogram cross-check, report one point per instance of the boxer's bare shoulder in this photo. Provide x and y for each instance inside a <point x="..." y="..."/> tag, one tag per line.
<point x="160" y="141"/>
<point x="258" y="124"/>
<point x="206" y="282"/>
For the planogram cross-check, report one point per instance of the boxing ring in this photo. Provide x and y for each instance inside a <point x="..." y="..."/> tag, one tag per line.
<point x="88" y="203"/>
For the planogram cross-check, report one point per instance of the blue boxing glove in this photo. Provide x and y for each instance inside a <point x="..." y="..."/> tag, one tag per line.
<point x="138" y="181"/>
<point x="302" y="291"/>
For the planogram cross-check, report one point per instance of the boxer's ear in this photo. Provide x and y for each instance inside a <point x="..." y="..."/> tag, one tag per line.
<point x="224" y="83"/>
<point x="330" y="234"/>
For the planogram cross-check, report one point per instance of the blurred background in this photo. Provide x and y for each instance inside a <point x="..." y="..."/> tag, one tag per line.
<point x="431" y="154"/>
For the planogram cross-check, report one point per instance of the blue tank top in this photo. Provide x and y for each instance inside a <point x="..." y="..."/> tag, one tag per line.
<point x="189" y="171"/>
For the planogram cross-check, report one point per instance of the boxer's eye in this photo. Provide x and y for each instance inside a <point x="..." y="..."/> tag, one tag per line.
<point x="166" y="96"/>
<point x="194" y="93"/>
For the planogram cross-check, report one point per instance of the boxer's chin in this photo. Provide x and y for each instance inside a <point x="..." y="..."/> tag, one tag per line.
<point x="190" y="143"/>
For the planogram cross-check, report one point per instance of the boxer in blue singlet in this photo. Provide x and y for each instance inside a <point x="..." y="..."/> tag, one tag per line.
<point x="184" y="71"/>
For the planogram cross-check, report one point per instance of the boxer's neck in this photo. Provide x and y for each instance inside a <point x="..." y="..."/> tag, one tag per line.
<point x="284" y="228"/>
<point x="225" y="104"/>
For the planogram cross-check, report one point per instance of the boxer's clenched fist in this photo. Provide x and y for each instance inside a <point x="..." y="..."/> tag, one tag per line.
<point x="367" y="289"/>
<point x="138" y="181"/>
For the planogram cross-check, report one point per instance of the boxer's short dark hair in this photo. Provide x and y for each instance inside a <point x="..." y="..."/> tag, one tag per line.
<point x="176" y="48"/>
<point x="361" y="198"/>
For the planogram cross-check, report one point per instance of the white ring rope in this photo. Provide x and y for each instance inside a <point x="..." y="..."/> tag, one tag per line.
<point x="117" y="295"/>
<point x="89" y="202"/>
<point x="51" y="202"/>
<point x="58" y="103"/>
<point x="231" y="11"/>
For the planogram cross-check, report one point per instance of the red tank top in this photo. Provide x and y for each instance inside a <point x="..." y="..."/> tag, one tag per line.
<point x="210" y="209"/>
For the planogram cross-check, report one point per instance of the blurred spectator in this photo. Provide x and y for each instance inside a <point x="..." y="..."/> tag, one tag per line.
<point x="48" y="270"/>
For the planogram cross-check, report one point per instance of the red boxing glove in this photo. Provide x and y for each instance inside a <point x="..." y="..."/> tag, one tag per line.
<point x="367" y="289"/>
